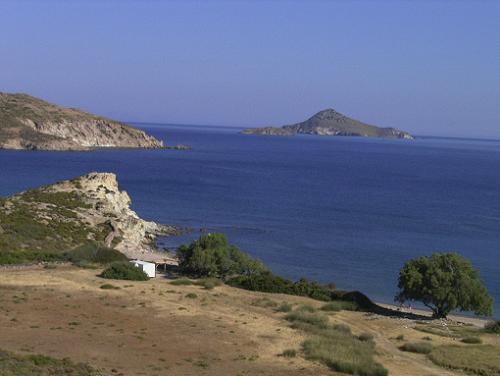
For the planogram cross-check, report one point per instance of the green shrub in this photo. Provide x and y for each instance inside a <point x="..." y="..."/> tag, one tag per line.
<point x="191" y="295"/>
<point x="264" y="303"/>
<point x="418" y="347"/>
<point x="306" y="308"/>
<point x="365" y="337"/>
<point x="492" y="326"/>
<point x="212" y="256"/>
<point x="284" y="307"/>
<point x="181" y="282"/>
<point x="268" y="282"/>
<point x="94" y="253"/>
<point x="17" y="365"/>
<point x="472" y="340"/>
<point x="289" y="353"/>
<point x="314" y="319"/>
<point x="339" y="305"/>
<point x="208" y="283"/>
<point x="108" y="286"/>
<point x="125" y="271"/>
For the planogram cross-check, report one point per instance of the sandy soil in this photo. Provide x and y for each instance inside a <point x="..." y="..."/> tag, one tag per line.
<point x="153" y="328"/>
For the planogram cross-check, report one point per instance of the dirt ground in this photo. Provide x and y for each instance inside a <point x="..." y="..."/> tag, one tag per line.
<point x="155" y="328"/>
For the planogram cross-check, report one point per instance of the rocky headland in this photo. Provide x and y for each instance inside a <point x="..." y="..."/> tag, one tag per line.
<point x="30" y="123"/>
<point x="331" y="123"/>
<point x="54" y="219"/>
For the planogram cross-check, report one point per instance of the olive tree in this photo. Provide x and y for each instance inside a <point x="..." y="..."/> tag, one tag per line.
<point x="444" y="282"/>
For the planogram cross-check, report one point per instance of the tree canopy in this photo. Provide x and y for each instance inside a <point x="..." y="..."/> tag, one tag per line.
<point x="212" y="256"/>
<point x="444" y="282"/>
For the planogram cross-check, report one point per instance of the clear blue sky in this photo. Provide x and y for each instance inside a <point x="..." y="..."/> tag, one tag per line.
<point x="430" y="67"/>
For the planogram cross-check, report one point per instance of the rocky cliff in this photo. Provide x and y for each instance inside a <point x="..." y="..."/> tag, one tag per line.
<point x="331" y="123"/>
<point x="31" y="123"/>
<point x="71" y="213"/>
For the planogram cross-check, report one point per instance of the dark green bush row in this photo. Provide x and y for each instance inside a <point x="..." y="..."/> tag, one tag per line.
<point x="268" y="282"/>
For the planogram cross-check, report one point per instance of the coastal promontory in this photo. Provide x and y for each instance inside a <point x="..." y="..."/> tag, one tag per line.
<point x="331" y="123"/>
<point x="43" y="223"/>
<point x="30" y="123"/>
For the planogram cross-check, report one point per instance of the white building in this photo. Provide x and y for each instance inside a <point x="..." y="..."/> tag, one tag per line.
<point x="147" y="267"/>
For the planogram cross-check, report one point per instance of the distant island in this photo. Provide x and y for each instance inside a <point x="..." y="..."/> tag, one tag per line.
<point x="330" y="123"/>
<point x="30" y="123"/>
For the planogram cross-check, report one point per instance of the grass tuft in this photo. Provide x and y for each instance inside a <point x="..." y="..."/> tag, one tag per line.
<point x="289" y="353"/>
<point x="417" y="347"/>
<point x="339" y="305"/>
<point x="472" y="340"/>
<point x="109" y="286"/>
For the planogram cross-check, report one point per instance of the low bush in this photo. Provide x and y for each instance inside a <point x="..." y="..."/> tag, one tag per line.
<point x="284" y="307"/>
<point x="492" y="326"/>
<point x="472" y="340"/>
<point x="41" y="365"/>
<point x="125" y="271"/>
<point x="289" y="353"/>
<point x="108" y="286"/>
<point x="191" y="295"/>
<point x="306" y="308"/>
<point x="339" y="305"/>
<point x="208" y="283"/>
<point x="316" y="320"/>
<point x="264" y="303"/>
<point x="181" y="282"/>
<point x="268" y="282"/>
<point x="417" y="347"/>
<point x="94" y="253"/>
<point x="365" y="337"/>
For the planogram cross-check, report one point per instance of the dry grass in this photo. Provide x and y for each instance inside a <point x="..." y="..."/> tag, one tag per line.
<point x="483" y="360"/>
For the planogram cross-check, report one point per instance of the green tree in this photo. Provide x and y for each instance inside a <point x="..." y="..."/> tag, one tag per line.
<point x="212" y="256"/>
<point x="444" y="282"/>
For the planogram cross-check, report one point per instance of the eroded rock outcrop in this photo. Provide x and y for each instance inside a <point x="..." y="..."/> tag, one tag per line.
<point x="73" y="212"/>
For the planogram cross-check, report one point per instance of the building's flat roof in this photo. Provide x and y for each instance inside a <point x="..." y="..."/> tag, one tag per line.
<point x="142" y="262"/>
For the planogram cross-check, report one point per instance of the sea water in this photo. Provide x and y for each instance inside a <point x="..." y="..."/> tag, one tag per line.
<point x="334" y="209"/>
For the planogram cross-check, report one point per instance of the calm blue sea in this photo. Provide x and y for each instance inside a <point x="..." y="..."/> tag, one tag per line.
<point x="343" y="210"/>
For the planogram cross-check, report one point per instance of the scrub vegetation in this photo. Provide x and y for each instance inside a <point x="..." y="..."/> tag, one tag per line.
<point x="41" y="365"/>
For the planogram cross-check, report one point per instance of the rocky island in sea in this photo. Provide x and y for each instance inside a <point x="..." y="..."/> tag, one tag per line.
<point x="30" y="123"/>
<point x="331" y="123"/>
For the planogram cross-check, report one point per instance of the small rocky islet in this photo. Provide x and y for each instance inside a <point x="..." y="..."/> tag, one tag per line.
<point x="329" y="122"/>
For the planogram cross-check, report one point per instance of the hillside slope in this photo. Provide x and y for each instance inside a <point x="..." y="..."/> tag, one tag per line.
<point x="331" y="123"/>
<point x="30" y="123"/>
